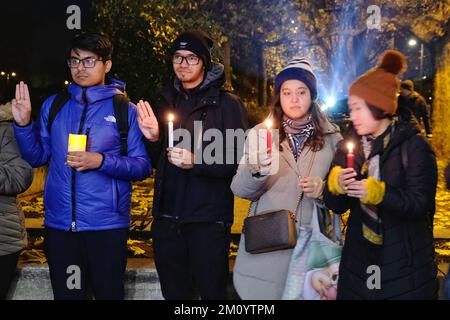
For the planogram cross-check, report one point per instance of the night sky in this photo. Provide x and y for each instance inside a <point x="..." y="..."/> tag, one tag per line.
<point x="33" y="36"/>
<point x="32" y="42"/>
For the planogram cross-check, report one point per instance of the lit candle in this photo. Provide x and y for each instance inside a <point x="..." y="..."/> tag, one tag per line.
<point x="171" y="117"/>
<point x="77" y="142"/>
<point x="269" y="135"/>
<point x="350" y="155"/>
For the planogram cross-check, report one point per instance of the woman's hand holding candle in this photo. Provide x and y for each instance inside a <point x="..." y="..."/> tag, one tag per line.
<point x="346" y="177"/>
<point x="357" y="189"/>
<point x="259" y="160"/>
<point x="264" y="163"/>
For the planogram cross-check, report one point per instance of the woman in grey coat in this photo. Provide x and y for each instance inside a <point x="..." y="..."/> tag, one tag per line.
<point x="15" y="177"/>
<point x="276" y="179"/>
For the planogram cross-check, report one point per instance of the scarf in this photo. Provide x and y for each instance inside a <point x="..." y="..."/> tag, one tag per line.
<point x="372" y="223"/>
<point x="297" y="132"/>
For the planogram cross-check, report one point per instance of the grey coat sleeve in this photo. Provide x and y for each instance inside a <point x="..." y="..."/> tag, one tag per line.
<point x="16" y="175"/>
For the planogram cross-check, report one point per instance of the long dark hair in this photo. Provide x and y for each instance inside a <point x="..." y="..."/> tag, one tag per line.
<point x="317" y="140"/>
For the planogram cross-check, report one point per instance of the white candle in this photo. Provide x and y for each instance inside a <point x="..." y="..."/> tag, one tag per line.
<point x="171" y="130"/>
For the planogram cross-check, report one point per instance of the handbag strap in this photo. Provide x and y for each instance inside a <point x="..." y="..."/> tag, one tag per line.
<point x="300" y="196"/>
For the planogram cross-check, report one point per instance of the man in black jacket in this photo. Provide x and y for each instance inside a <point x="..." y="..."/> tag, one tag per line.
<point x="412" y="107"/>
<point x="193" y="203"/>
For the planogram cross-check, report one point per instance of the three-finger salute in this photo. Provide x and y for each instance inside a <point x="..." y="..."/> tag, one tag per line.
<point x="21" y="105"/>
<point x="147" y="121"/>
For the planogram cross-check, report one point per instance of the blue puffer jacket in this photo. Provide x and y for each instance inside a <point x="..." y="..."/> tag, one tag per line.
<point x="94" y="199"/>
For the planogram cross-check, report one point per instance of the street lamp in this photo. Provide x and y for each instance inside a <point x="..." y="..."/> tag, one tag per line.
<point x="8" y="74"/>
<point x="412" y="43"/>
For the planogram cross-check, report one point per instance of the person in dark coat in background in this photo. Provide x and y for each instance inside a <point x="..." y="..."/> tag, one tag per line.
<point x="413" y="107"/>
<point x="193" y="202"/>
<point x="388" y="251"/>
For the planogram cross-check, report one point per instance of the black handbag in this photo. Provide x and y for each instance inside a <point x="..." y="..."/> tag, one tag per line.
<point x="273" y="229"/>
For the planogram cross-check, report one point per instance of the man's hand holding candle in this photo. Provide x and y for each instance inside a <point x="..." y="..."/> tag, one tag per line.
<point x="82" y="160"/>
<point x="181" y="158"/>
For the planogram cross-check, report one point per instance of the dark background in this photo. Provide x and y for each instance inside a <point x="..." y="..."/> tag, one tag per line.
<point x="33" y="36"/>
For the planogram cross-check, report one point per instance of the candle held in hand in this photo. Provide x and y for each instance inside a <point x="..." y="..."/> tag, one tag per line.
<point x="350" y="155"/>
<point x="77" y="142"/>
<point x="269" y="135"/>
<point x="171" y="117"/>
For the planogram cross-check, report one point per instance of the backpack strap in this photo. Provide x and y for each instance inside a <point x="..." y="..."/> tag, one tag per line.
<point x="58" y="103"/>
<point x="121" y="114"/>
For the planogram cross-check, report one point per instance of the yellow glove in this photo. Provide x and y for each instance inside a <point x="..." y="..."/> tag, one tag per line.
<point x="333" y="181"/>
<point x="375" y="191"/>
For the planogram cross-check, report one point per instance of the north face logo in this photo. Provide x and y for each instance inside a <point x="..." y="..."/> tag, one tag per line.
<point x="110" y="119"/>
<point x="183" y="44"/>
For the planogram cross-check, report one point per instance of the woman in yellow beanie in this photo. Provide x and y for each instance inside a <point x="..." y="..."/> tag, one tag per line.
<point x="390" y="191"/>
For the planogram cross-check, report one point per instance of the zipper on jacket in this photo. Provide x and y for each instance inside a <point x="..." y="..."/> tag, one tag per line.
<point x="80" y="130"/>
<point x="87" y="138"/>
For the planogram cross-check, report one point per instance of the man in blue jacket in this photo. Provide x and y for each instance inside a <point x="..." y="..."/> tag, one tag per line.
<point x="87" y="193"/>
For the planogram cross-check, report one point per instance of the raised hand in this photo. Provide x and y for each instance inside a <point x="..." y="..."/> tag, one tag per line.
<point x="147" y="121"/>
<point x="21" y="105"/>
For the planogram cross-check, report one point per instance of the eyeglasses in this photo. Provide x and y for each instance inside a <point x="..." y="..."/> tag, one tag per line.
<point x="88" y="62"/>
<point x="190" y="59"/>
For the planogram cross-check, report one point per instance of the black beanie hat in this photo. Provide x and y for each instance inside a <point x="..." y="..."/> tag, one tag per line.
<point x="197" y="42"/>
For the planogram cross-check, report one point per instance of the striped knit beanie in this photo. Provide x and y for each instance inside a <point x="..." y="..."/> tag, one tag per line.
<point x="300" y="69"/>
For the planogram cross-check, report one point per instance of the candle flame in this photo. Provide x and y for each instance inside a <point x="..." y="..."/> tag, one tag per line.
<point x="268" y="124"/>
<point x="350" y="147"/>
<point x="171" y="117"/>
